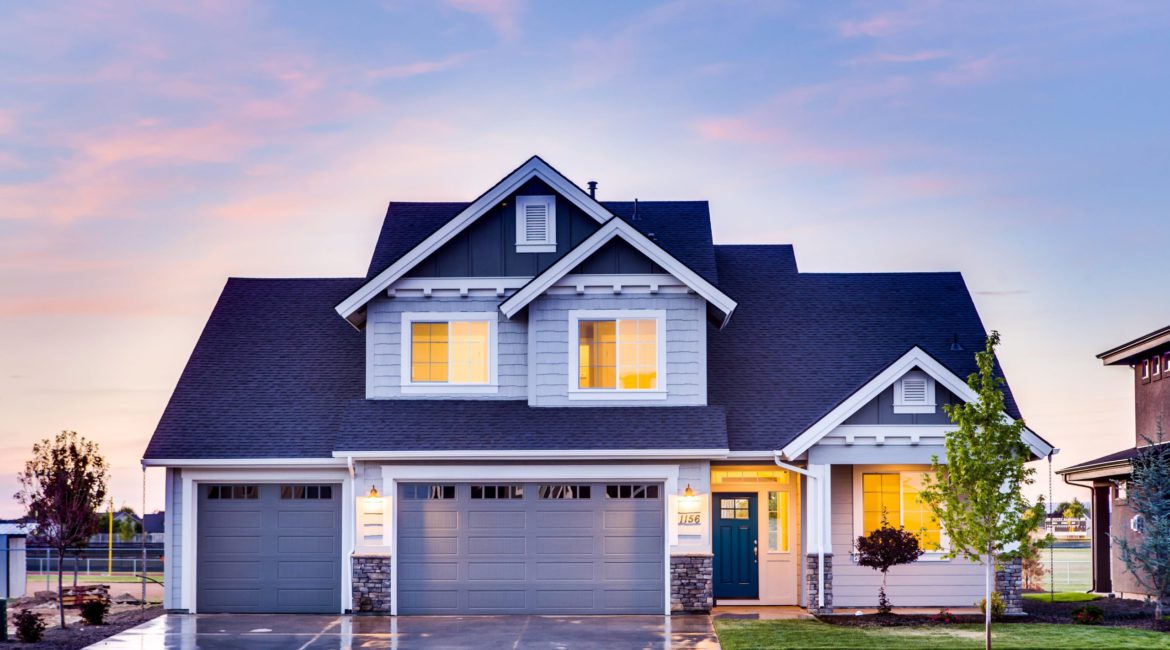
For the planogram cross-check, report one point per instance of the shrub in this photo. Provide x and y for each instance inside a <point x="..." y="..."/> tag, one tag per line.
<point x="1088" y="615"/>
<point x="998" y="607"/>
<point x="29" y="626"/>
<point x="884" y="548"/>
<point x="945" y="616"/>
<point x="94" y="611"/>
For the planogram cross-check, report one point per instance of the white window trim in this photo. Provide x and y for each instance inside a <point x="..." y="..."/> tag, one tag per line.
<point x="408" y="387"/>
<point x="859" y="510"/>
<point x="900" y="403"/>
<point x="577" y="393"/>
<point x="549" y="244"/>
<point x="1145" y="368"/>
<point x="1156" y="366"/>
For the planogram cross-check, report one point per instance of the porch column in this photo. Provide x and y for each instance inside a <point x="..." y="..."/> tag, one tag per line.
<point x="820" y="525"/>
<point x="1102" y="557"/>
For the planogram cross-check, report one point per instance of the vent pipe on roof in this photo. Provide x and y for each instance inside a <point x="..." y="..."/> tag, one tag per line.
<point x="592" y="189"/>
<point x="634" y="217"/>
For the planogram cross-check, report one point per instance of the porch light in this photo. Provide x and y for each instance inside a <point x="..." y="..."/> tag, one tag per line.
<point x="374" y="492"/>
<point x="372" y="504"/>
<point x="689" y="492"/>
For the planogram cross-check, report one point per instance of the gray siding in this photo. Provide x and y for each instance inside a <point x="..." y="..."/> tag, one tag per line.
<point x="384" y="338"/>
<point x="953" y="583"/>
<point x="686" y="346"/>
<point x="173" y="546"/>
<point x="880" y="410"/>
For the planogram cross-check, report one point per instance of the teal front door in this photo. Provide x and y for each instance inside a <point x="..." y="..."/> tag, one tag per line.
<point x="737" y="546"/>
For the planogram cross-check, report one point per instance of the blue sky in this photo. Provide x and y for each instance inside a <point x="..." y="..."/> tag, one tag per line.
<point x="149" y="151"/>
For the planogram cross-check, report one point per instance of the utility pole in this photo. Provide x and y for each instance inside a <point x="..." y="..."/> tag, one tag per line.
<point x="110" y="542"/>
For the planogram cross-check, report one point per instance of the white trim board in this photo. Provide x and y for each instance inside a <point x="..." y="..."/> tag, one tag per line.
<point x="537" y="454"/>
<point x="666" y="473"/>
<point x="617" y="227"/>
<point x="250" y="463"/>
<point x="915" y="358"/>
<point x="534" y="167"/>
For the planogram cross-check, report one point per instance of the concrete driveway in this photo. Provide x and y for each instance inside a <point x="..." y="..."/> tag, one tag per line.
<point x="304" y="632"/>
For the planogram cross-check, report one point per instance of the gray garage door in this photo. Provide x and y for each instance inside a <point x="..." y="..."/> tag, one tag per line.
<point x="269" y="548"/>
<point x="511" y="548"/>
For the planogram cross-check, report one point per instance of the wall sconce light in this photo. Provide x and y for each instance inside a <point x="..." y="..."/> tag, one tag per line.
<point x="374" y="492"/>
<point x="372" y="504"/>
<point x="689" y="492"/>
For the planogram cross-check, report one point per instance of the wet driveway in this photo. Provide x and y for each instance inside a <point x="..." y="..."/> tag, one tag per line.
<point x="305" y="632"/>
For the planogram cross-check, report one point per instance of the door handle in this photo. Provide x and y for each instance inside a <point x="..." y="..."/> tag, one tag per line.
<point x="756" y="550"/>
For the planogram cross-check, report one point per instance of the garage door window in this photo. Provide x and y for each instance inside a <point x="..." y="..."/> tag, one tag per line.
<point x="631" y="491"/>
<point x="497" y="492"/>
<point x="222" y="492"/>
<point x="426" y="491"/>
<point x="306" y="492"/>
<point x="565" y="492"/>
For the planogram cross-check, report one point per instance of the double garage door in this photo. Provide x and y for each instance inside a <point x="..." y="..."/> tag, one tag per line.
<point x="268" y="548"/>
<point x="518" y="548"/>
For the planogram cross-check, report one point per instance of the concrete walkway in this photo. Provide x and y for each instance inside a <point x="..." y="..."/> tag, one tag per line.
<point x="305" y="632"/>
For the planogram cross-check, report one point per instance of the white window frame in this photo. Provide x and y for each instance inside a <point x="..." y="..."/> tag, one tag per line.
<point x="859" y="506"/>
<point x="1145" y="368"/>
<point x="549" y="244"/>
<point x="616" y="393"/>
<point x="408" y="387"/>
<point x="900" y="403"/>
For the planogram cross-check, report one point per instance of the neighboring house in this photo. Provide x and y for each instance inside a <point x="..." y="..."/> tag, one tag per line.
<point x="539" y="402"/>
<point x="155" y="527"/>
<point x="13" y="541"/>
<point x="1148" y="358"/>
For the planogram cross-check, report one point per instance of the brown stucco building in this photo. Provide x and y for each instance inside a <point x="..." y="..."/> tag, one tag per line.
<point x="1148" y="359"/>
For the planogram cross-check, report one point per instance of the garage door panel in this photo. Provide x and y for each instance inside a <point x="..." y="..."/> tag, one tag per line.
<point x="560" y="554"/>
<point x="428" y="571"/>
<point x="432" y="520"/>
<point x="259" y="552"/>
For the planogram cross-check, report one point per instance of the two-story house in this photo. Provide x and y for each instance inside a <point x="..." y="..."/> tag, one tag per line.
<point x="1148" y="359"/>
<point x="542" y="402"/>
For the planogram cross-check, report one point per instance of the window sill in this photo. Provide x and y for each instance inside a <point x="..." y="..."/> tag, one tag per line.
<point x="536" y="248"/>
<point x="448" y="389"/>
<point x="929" y="556"/>
<point x="599" y="395"/>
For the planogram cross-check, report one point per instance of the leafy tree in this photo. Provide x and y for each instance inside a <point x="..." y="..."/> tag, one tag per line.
<point x="125" y="524"/>
<point x="978" y="494"/>
<point x="1148" y="492"/>
<point x="1073" y="510"/>
<point x="62" y="487"/>
<point x="1029" y="553"/>
<point x="884" y="548"/>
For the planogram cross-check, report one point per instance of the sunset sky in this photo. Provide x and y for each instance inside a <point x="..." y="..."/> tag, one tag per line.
<point x="147" y="152"/>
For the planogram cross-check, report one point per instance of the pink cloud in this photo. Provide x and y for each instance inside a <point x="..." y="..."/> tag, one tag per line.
<point x="877" y="26"/>
<point x="971" y="71"/>
<point x="504" y="15"/>
<point x="7" y="122"/>
<point x="788" y="145"/>
<point x="923" y="56"/>
<point x="415" y="68"/>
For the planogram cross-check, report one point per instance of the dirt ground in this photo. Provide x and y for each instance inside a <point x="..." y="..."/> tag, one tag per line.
<point x="78" y="634"/>
<point x="154" y="591"/>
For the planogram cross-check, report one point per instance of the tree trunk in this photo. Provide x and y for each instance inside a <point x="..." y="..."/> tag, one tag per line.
<point x="989" y="576"/>
<point x="60" y="587"/>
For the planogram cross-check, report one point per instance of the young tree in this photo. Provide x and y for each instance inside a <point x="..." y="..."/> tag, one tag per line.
<point x="126" y="525"/>
<point x="62" y="487"/>
<point x="977" y="494"/>
<point x="1148" y="491"/>
<point x="884" y="548"/>
<point x="1073" y="510"/>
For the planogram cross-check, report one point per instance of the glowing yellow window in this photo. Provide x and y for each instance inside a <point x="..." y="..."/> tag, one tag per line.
<point x="880" y="494"/>
<point x="778" y="522"/>
<point x="618" y="354"/>
<point x="917" y="517"/>
<point x="453" y="352"/>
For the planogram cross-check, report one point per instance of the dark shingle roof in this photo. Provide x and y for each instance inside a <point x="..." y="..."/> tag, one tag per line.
<point x="269" y="375"/>
<point x="800" y="343"/>
<point x="682" y="228"/>
<point x="1116" y="458"/>
<point x="398" y="425"/>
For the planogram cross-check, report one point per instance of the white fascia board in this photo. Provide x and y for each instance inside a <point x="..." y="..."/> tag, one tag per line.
<point x="534" y="454"/>
<point x="534" y="168"/>
<point x="617" y="227"/>
<point x="245" y="462"/>
<point x="916" y="357"/>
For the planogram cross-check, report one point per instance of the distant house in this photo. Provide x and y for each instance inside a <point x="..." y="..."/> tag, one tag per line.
<point x="1148" y="359"/>
<point x="13" y="537"/>
<point x="154" y="525"/>
<point x="542" y="402"/>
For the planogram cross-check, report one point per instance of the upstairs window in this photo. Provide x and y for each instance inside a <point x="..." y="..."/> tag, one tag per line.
<point x="619" y="353"/>
<point x="1145" y="370"/>
<point x="914" y="393"/>
<point x="536" y="224"/>
<point x="1156" y="367"/>
<point x="453" y="353"/>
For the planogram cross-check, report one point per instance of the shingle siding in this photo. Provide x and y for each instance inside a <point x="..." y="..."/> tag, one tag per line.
<point x="174" y="538"/>
<point x="686" y="332"/>
<point x="384" y="335"/>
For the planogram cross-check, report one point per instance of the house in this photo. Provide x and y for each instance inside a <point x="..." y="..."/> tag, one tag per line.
<point x="1148" y="358"/>
<point x="13" y="576"/>
<point x="542" y="402"/>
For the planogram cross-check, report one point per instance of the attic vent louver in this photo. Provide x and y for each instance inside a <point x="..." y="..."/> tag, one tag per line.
<point x="536" y="223"/>
<point x="914" y="393"/>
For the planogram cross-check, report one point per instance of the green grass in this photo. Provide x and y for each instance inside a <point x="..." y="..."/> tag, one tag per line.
<point x="738" y="634"/>
<point x="1063" y="597"/>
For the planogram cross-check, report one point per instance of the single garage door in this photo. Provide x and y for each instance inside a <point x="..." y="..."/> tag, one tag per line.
<point x="531" y="548"/>
<point x="269" y="548"/>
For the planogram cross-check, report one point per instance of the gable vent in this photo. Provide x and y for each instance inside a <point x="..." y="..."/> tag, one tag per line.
<point x="914" y="393"/>
<point x="536" y="222"/>
<point x="914" y="390"/>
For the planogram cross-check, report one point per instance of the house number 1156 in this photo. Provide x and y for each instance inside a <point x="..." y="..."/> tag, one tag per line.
<point x="688" y="518"/>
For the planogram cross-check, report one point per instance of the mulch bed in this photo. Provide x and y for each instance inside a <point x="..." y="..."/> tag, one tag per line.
<point x="1119" y="612"/>
<point x="79" y="635"/>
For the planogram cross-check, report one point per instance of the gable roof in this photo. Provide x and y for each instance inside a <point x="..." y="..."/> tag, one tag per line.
<point x="618" y="228"/>
<point x="534" y="167"/>
<point x="801" y="343"/>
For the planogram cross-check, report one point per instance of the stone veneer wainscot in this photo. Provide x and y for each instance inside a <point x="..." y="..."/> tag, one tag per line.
<point x="690" y="583"/>
<point x="371" y="584"/>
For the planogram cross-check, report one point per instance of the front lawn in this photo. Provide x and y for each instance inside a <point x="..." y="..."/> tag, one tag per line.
<point x="1063" y="597"/>
<point x="740" y="634"/>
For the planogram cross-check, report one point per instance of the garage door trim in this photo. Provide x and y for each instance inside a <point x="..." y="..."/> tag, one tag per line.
<point x="666" y="474"/>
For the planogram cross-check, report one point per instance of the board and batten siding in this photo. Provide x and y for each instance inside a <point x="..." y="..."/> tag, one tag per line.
<point x="686" y="346"/>
<point x="384" y="340"/>
<point x="948" y="583"/>
<point x="173" y="539"/>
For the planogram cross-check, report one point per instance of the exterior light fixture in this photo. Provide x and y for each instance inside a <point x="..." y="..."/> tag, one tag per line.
<point x="374" y="492"/>
<point x="372" y="504"/>
<point x="689" y="492"/>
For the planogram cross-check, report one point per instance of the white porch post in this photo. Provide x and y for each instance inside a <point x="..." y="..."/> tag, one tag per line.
<point x="821" y="525"/>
